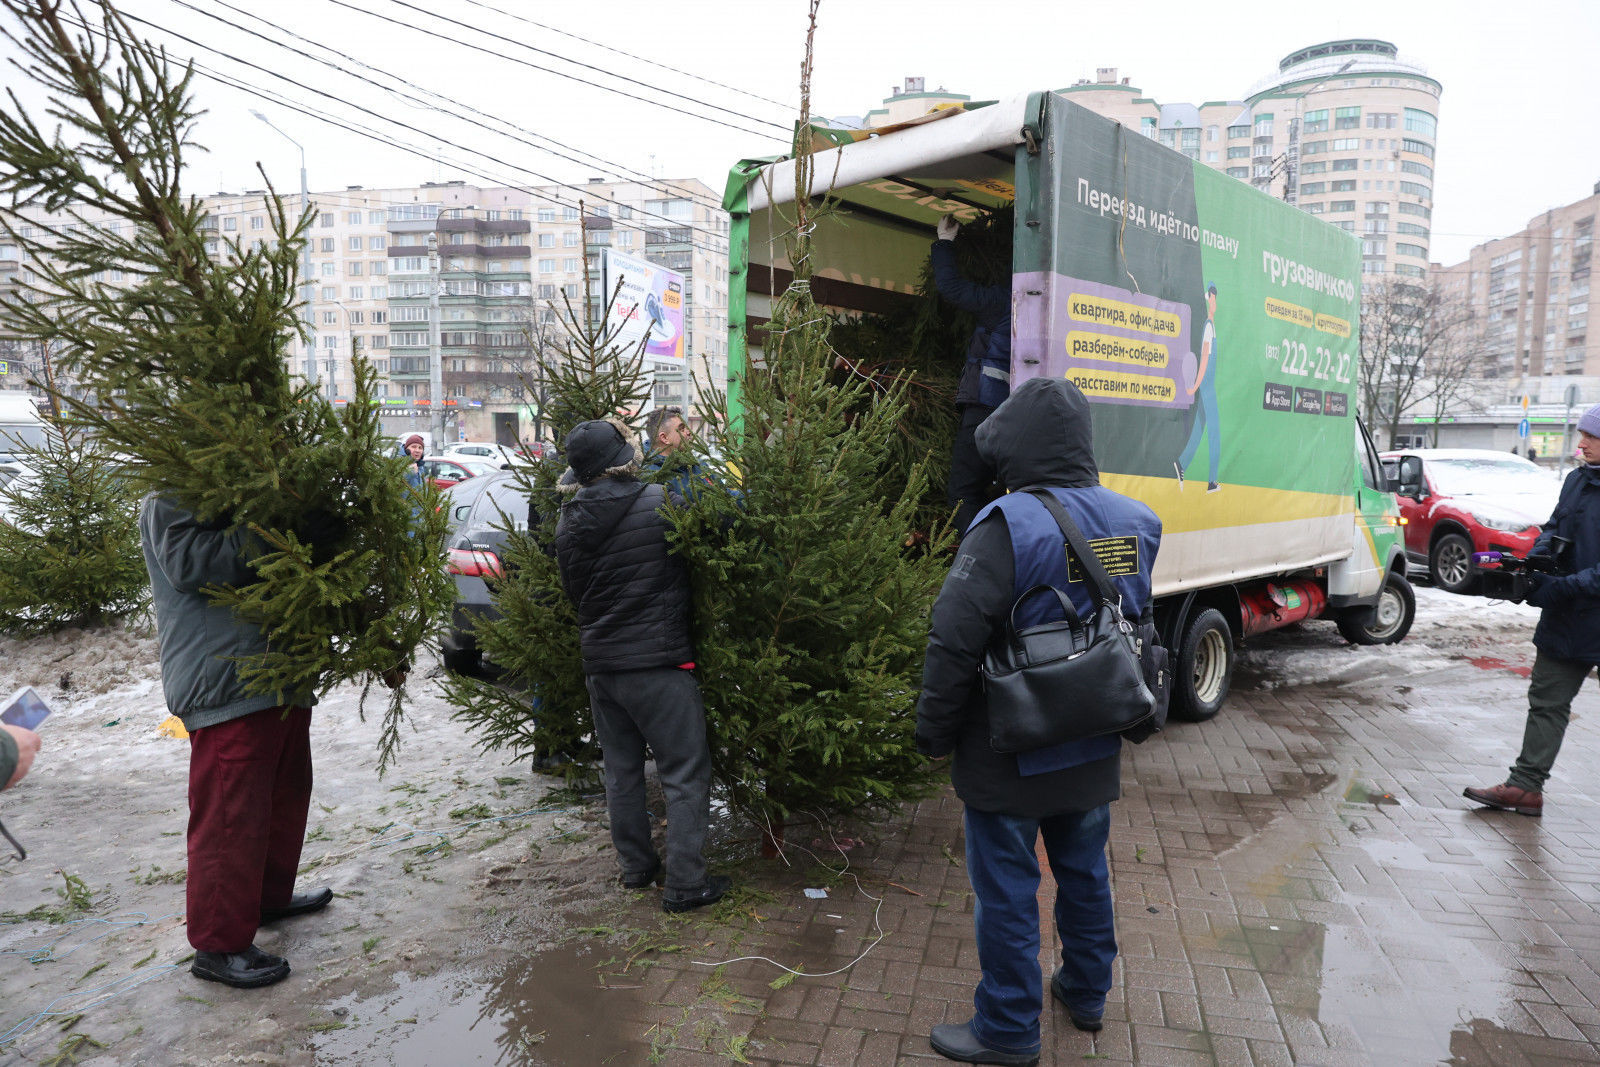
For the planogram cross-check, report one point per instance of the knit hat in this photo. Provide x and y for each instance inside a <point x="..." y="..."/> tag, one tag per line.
<point x="417" y="437"/>
<point x="1590" y="422"/>
<point x="598" y="446"/>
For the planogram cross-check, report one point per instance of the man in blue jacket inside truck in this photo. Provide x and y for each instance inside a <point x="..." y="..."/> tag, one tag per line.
<point x="1040" y="438"/>
<point x="986" y="376"/>
<point x="1567" y="639"/>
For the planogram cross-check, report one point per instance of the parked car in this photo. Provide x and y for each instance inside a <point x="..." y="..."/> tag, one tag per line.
<point x="476" y="544"/>
<point x="499" y="455"/>
<point x="448" y="470"/>
<point x="1457" y="501"/>
<point x="456" y="500"/>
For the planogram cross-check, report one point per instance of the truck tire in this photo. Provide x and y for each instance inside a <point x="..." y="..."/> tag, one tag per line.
<point x="1388" y="621"/>
<point x="1204" y="668"/>
<point x="1450" y="564"/>
<point x="461" y="660"/>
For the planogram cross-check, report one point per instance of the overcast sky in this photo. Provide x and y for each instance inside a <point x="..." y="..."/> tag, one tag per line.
<point x="1516" y="125"/>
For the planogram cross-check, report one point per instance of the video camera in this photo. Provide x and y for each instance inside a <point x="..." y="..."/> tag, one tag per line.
<point x="1505" y="577"/>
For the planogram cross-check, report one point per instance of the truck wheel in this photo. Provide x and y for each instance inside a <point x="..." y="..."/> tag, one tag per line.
<point x="461" y="660"/>
<point x="1388" y="621"/>
<point x="1451" y="564"/>
<point x="1204" y="668"/>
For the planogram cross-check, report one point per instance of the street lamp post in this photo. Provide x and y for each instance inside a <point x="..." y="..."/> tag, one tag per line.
<point x="307" y="283"/>
<point x="1296" y="137"/>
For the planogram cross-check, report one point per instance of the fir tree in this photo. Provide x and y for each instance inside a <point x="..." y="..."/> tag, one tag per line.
<point x="70" y="554"/>
<point x="184" y="370"/>
<point x="539" y="706"/>
<point x="811" y="614"/>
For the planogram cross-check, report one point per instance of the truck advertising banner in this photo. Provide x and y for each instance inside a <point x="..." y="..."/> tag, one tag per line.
<point x="1214" y="329"/>
<point x="648" y="308"/>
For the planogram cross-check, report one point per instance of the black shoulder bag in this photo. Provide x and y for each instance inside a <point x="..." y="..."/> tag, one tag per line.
<point x="1074" y="678"/>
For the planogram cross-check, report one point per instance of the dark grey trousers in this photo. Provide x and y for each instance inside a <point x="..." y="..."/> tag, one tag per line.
<point x="660" y="707"/>
<point x="1551" y="687"/>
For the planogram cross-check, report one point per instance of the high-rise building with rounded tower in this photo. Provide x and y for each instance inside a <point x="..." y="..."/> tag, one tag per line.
<point x="1346" y="130"/>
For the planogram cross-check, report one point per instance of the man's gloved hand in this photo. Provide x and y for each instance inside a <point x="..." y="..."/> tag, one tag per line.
<point x="1540" y="559"/>
<point x="1546" y="592"/>
<point x="322" y="530"/>
<point x="947" y="228"/>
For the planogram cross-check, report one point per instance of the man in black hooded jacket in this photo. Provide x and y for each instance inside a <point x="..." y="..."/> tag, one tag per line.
<point x="632" y="597"/>
<point x="1039" y="438"/>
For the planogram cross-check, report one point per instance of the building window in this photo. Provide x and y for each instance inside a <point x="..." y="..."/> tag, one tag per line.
<point x="1418" y="251"/>
<point x="327" y="245"/>
<point x="1417" y="168"/>
<point x="1347" y="118"/>
<point x="410" y="314"/>
<point x="547" y="266"/>
<point x="377" y="243"/>
<point x="379" y="267"/>
<point x="1421" y="148"/>
<point x="1240" y="151"/>
<point x="458" y="238"/>
<point x="1239" y="172"/>
<point x="569" y="213"/>
<point x="1381" y="120"/>
<point x="1411" y="229"/>
<point x="1313" y="209"/>
<point x="1344" y="164"/>
<point x="1343" y="205"/>
<point x="379" y="317"/>
<point x="547" y="240"/>
<point x="355" y="242"/>
<point x="1422" y="122"/>
<point x="1345" y="144"/>
<point x="1414" y="189"/>
<point x="352" y="268"/>
<point x="1316" y="122"/>
<point x="330" y="318"/>
<point x="411" y="264"/>
<point x="571" y="265"/>
<point x="355" y="292"/>
<point x="1313" y="168"/>
<point x="326" y="219"/>
<point x="376" y="217"/>
<point x="570" y="239"/>
<point x="547" y="214"/>
<point x="1263" y="125"/>
<point x="327" y="270"/>
<point x="1313" y="189"/>
<point x="330" y="292"/>
<point x="1311" y="148"/>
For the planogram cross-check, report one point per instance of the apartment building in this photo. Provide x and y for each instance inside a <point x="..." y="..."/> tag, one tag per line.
<point x="509" y="261"/>
<point x="1346" y="129"/>
<point x="1529" y="295"/>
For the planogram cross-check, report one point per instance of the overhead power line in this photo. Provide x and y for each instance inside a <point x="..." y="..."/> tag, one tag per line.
<point x="590" y="160"/>
<point x="655" y="102"/>
<point x="385" y="118"/>
<point x="629" y="55"/>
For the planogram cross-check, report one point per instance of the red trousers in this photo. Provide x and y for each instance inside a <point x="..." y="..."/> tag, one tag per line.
<point x="249" y="791"/>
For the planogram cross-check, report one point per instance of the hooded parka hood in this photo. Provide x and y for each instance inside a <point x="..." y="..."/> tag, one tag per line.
<point x="1041" y="435"/>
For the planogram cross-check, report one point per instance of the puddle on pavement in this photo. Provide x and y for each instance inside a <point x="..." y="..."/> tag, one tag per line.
<point x="547" y="1009"/>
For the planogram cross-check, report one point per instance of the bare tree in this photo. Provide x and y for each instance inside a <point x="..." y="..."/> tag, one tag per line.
<point x="1417" y="351"/>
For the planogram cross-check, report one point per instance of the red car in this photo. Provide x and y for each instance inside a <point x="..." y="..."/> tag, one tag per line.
<point x="1457" y="501"/>
<point x="448" y="470"/>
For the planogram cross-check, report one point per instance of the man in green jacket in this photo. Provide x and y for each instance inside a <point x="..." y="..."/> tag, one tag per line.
<point x="249" y="755"/>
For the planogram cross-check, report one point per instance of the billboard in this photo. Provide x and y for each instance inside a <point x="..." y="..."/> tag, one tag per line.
<point x="649" y="306"/>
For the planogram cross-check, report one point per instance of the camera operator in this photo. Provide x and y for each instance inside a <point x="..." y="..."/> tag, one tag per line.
<point x="1563" y="578"/>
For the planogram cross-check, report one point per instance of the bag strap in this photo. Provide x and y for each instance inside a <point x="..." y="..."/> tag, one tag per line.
<point x="1079" y="547"/>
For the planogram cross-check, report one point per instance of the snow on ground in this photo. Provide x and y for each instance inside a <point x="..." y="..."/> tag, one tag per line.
<point x="1448" y="627"/>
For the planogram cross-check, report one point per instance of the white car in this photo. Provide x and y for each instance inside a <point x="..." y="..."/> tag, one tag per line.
<point x="499" y="455"/>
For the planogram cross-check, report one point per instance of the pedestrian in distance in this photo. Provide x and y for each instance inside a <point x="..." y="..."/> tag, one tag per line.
<point x="413" y="449"/>
<point x="633" y="602"/>
<point x="1567" y="639"/>
<point x="986" y="375"/>
<point x="249" y="754"/>
<point x="1040" y="438"/>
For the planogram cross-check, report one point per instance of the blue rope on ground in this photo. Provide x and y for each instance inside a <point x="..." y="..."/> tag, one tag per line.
<point x="117" y="987"/>
<point x="48" y="954"/>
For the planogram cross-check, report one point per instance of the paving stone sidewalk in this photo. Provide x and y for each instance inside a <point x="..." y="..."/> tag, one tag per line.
<point x="1298" y="881"/>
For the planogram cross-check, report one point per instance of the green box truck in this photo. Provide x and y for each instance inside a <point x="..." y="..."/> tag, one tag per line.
<point x="1214" y="329"/>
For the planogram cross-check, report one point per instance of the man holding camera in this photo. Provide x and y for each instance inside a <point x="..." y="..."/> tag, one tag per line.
<point x="1567" y="640"/>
